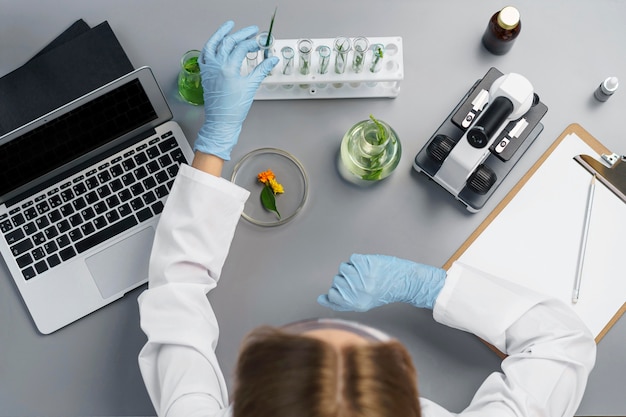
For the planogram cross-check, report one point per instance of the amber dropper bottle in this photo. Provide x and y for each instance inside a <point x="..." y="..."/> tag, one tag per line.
<point x="504" y="26"/>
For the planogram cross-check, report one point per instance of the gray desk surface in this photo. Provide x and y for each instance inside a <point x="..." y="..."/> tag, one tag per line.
<point x="566" y="49"/>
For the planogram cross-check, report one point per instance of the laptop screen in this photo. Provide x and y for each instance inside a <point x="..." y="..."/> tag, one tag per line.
<point x="63" y="139"/>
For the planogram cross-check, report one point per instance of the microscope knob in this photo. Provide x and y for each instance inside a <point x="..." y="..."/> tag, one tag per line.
<point x="440" y="147"/>
<point x="481" y="179"/>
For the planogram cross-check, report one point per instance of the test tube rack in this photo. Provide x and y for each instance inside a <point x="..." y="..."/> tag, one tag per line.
<point x="349" y="84"/>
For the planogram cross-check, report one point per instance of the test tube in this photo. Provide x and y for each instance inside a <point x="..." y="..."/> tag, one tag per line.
<point x="305" y="46"/>
<point x="266" y="43"/>
<point x="324" y="58"/>
<point x="342" y="47"/>
<point x="251" y="61"/>
<point x="288" y="55"/>
<point x="378" y="51"/>
<point x="360" y="49"/>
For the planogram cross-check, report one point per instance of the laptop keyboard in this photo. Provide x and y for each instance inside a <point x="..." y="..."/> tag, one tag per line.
<point x="94" y="205"/>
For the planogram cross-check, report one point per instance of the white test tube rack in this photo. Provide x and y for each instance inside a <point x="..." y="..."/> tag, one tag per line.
<point x="349" y="84"/>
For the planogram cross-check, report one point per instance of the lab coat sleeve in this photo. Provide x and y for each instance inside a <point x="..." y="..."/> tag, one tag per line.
<point x="193" y="237"/>
<point x="550" y="350"/>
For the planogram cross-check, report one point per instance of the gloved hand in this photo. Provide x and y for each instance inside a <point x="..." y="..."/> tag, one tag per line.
<point x="369" y="281"/>
<point x="227" y="95"/>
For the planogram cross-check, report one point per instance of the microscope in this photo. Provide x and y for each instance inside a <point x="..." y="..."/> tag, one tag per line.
<point x="483" y="138"/>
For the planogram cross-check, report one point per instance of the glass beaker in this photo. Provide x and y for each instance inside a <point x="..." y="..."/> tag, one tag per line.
<point x="189" y="79"/>
<point x="305" y="46"/>
<point x="378" y="51"/>
<point x="324" y="58"/>
<point x="370" y="151"/>
<point x="342" y="47"/>
<point x="360" y="49"/>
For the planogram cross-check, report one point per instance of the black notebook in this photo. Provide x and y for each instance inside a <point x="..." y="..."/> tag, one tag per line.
<point x="78" y="61"/>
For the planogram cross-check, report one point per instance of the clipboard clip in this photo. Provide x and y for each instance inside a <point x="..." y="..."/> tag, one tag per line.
<point x="613" y="158"/>
<point x="611" y="173"/>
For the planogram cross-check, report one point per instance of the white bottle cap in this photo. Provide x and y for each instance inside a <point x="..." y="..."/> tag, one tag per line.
<point x="610" y="85"/>
<point x="508" y="18"/>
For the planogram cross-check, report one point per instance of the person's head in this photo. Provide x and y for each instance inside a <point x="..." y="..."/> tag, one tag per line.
<point x="324" y="368"/>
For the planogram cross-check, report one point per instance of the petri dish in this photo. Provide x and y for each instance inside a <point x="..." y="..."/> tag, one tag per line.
<point x="289" y="172"/>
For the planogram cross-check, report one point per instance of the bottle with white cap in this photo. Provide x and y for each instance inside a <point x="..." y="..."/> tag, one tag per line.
<point x="606" y="89"/>
<point x="502" y="30"/>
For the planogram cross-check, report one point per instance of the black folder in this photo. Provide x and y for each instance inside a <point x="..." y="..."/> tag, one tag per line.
<point x="76" y="62"/>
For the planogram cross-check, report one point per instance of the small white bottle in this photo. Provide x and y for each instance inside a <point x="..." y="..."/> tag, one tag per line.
<point x="606" y="89"/>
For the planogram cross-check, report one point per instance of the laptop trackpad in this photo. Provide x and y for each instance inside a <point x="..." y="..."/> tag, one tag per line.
<point x="122" y="265"/>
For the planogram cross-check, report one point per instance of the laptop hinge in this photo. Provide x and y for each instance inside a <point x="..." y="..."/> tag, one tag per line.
<point x="74" y="169"/>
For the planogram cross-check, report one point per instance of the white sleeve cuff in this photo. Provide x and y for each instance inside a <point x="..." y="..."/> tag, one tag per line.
<point x="482" y="304"/>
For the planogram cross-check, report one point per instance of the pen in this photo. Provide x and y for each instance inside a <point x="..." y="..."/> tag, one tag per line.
<point x="583" y="242"/>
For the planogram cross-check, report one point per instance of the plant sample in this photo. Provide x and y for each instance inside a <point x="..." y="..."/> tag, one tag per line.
<point x="271" y="188"/>
<point x="192" y="65"/>
<point x="269" y="32"/>
<point x="370" y="151"/>
<point x="342" y="47"/>
<point x="288" y="55"/>
<point x="381" y="133"/>
<point x="360" y="49"/>
<point x="269" y="35"/>
<point x="380" y="138"/>
<point x="305" y="46"/>
<point x="379" y="51"/>
<point x="358" y="62"/>
<point x="324" y="53"/>
<point x="189" y="79"/>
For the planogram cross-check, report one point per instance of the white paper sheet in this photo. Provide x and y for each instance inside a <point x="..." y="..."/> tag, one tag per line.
<point x="535" y="240"/>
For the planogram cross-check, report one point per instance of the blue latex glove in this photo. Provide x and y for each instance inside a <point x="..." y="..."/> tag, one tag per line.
<point x="227" y="95"/>
<point x="369" y="281"/>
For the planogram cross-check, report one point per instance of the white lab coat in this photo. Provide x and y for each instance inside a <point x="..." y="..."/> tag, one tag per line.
<point x="550" y="352"/>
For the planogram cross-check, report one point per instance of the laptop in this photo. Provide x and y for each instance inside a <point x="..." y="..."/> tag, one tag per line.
<point x="81" y="190"/>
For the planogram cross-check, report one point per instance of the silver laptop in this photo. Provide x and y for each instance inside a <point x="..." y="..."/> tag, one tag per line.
<point x="81" y="190"/>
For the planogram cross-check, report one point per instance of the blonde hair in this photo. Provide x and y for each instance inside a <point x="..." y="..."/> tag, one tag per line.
<point x="285" y="375"/>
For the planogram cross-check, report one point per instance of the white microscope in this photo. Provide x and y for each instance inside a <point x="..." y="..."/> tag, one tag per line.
<point x="483" y="138"/>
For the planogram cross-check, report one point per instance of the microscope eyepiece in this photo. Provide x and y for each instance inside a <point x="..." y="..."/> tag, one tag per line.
<point x="495" y="115"/>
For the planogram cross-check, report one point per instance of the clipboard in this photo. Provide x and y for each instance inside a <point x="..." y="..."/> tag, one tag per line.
<point x="507" y="235"/>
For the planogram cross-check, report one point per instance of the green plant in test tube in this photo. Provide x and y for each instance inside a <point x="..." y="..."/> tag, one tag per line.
<point x="324" y="57"/>
<point x="360" y="48"/>
<point x="342" y="47"/>
<point x="305" y="46"/>
<point x="288" y="55"/>
<point x="268" y="40"/>
<point x="377" y="58"/>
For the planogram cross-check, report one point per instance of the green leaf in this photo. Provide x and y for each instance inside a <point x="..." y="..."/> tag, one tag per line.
<point x="269" y="32"/>
<point x="374" y="175"/>
<point x="269" y="200"/>
<point x="379" y="52"/>
<point x="382" y="134"/>
<point x="192" y="66"/>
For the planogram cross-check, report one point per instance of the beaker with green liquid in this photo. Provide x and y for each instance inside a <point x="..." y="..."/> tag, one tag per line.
<point x="370" y="151"/>
<point x="189" y="79"/>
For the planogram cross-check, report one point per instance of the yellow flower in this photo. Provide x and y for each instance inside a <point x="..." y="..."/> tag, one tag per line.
<point x="266" y="176"/>
<point x="271" y="187"/>
<point x="276" y="187"/>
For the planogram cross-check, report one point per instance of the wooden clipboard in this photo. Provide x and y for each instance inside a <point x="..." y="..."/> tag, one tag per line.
<point x="598" y="147"/>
